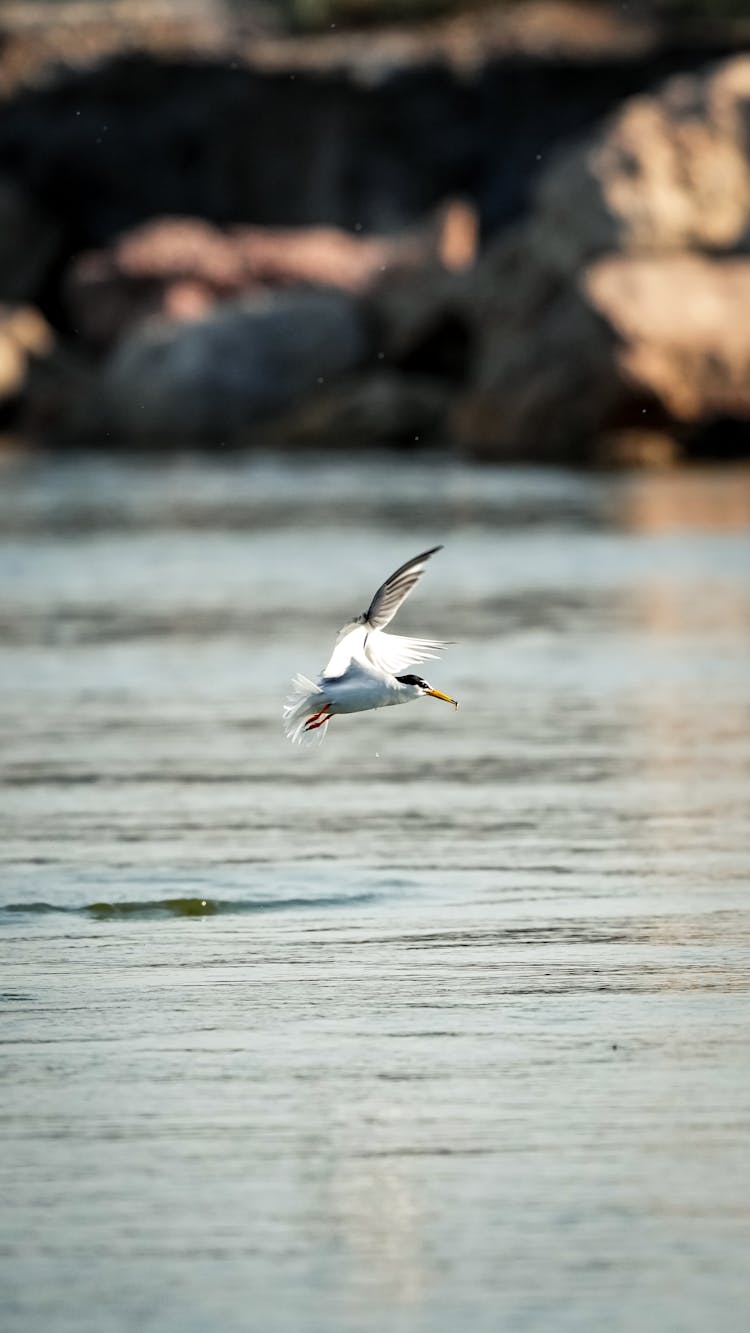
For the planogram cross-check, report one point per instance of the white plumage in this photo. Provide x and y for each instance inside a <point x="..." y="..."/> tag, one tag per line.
<point x="367" y="668"/>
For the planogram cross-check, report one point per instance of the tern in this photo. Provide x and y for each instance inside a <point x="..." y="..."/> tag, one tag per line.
<point x="367" y="668"/>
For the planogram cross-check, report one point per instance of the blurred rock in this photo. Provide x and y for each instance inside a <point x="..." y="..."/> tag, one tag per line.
<point x="180" y="267"/>
<point x="28" y="244"/>
<point x="24" y="335"/>
<point x="213" y="378"/>
<point x="12" y="367"/>
<point x="115" y="111"/>
<point x="155" y="137"/>
<point x="595" y="319"/>
<point x="680" y="325"/>
<point x="544" y="382"/>
<point x="36" y="36"/>
<point x="637" y="449"/>
<point x="669" y="171"/>
<point x="42" y="381"/>
<point x="376" y="408"/>
<point x="426" y="322"/>
<point x="459" y="239"/>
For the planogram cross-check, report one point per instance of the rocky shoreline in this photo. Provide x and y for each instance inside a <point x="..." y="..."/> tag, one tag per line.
<point x="526" y="236"/>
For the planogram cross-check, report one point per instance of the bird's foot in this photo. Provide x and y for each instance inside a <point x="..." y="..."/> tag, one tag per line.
<point x="318" y="719"/>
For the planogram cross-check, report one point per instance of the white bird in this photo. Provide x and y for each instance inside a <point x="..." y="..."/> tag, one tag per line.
<point x="367" y="668"/>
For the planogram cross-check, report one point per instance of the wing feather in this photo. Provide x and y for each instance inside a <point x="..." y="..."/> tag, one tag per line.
<point x="362" y="639"/>
<point x="392" y="653"/>
<point x="349" y="643"/>
<point x="396" y="589"/>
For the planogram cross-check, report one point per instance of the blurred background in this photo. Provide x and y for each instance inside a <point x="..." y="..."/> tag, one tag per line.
<point x="444" y="1025"/>
<point x="516" y="230"/>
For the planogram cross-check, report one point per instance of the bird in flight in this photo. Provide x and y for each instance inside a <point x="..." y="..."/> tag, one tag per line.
<point x="368" y="668"/>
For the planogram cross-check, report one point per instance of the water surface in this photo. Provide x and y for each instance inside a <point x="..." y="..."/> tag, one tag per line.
<point x="442" y="1025"/>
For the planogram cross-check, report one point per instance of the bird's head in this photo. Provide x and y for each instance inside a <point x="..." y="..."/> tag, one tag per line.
<point x="416" y="686"/>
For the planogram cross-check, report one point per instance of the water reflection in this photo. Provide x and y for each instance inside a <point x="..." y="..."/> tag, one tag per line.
<point x="708" y="500"/>
<point x="380" y="1223"/>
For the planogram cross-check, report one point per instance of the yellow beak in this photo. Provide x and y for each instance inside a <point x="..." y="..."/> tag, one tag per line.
<point x="437" y="695"/>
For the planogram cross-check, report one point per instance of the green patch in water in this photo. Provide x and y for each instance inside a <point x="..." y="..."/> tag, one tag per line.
<point x="163" y="906"/>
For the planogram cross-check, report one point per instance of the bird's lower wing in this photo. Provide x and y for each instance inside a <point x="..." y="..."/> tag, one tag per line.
<point x="391" y="653"/>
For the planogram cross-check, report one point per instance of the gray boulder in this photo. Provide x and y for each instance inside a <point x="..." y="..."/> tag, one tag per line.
<point x="212" y="379"/>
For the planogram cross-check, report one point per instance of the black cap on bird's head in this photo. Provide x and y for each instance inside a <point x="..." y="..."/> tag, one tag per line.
<point x="422" y="685"/>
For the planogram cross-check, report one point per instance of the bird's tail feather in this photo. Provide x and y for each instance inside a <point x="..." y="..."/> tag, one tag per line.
<point x="304" y="699"/>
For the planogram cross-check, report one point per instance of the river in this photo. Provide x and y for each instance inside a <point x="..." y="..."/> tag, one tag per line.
<point x="442" y="1025"/>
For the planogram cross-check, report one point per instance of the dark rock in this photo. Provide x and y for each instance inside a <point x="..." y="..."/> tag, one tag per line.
<point x="113" y="123"/>
<point x="377" y="408"/>
<point x="213" y="378"/>
<point x="29" y="242"/>
<point x="426" y="322"/>
<point x="545" y="382"/>
<point x="370" y="136"/>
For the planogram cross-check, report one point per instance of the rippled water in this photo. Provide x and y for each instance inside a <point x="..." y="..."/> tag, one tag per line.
<point x="441" y="1026"/>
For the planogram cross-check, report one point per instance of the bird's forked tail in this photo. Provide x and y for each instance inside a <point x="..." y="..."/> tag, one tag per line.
<point x="305" y="721"/>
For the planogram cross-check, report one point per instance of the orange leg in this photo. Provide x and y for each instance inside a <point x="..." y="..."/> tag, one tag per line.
<point x="318" y="719"/>
<point x="314" y="725"/>
<point x="313" y="716"/>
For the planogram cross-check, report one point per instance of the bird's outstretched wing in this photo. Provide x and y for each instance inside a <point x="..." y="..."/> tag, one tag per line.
<point x="363" y="640"/>
<point x="392" y="653"/>
<point x="396" y="589"/>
